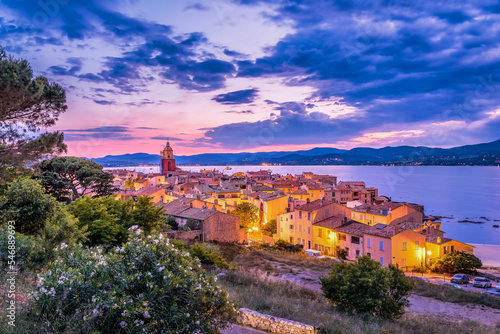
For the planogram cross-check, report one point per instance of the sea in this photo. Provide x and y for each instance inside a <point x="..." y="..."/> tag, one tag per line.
<point x="467" y="198"/>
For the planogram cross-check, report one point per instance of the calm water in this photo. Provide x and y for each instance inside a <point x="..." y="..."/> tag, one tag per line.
<point x="471" y="193"/>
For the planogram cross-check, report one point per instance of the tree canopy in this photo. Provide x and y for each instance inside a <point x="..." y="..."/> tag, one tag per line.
<point x="367" y="287"/>
<point x="457" y="262"/>
<point x="248" y="213"/>
<point x="61" y="176"/>
<point x="28" y="105"/>
<point x="107" y="220"/>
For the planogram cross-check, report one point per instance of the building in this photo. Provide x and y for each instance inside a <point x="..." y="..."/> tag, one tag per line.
<point x="167" y="161"/>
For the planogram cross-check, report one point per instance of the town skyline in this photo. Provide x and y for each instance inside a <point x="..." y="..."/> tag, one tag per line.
<point x="232" y="76"/>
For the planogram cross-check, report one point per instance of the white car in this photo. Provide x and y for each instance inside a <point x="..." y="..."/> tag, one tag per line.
<point x="481" y="282"/>
<point x="314" y="253"/>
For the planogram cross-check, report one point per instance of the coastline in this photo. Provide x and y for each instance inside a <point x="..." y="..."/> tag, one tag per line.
<point x="489" y="254"/>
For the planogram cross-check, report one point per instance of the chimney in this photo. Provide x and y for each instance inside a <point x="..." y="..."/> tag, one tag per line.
<point x="291" y="204"/>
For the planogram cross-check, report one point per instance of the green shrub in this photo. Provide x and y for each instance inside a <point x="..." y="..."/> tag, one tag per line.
<point x="26" y="203"/>
<point x="283" y="245"/>
<point x="35" y="251"/>
<point x="456" y="262"/>
<point x="145" y="286"/>
<point x="207" y="256"/>
<point x="367" y="287"/>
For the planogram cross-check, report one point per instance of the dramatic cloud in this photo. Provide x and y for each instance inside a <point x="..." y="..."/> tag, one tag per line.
<point x="237" y="97"/>
<point x="338" y="72"/>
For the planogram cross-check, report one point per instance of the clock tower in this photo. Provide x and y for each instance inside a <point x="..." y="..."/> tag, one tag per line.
<point x="167" y="162"/>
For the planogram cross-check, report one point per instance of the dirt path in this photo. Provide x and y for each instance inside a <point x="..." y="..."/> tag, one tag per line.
<point x="310" y="279"/>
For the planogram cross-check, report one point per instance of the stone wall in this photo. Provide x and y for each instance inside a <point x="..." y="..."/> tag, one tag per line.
<point x="273" y="324"/>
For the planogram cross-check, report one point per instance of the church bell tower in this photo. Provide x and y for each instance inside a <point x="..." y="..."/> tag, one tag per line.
<point x="167" y="163"/>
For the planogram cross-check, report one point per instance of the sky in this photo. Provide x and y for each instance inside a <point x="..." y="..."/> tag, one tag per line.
<point x="258" y="75"/>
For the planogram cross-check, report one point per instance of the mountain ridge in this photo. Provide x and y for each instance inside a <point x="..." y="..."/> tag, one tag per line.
<point x="477" y="154"/>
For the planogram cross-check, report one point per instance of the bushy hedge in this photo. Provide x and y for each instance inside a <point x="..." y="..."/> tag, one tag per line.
<point x="283" y="245"/>
<point x="145" y="286"/>
<point x="366" y="287"/>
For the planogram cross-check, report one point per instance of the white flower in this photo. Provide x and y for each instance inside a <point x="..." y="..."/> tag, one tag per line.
<point x="123" y="324"/>
<point x="146" y="314"/>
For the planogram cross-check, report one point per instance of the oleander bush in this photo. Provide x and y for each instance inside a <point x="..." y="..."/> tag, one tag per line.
<point x="147" y="285"/>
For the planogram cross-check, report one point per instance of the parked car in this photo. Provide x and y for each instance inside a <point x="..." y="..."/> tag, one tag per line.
<point x="314" y="253"/>
<point x="481" y="282"/>
<point x="460" y="279"/>
<point x="419" y="278"/>
<point x="498" y="287"/>
<point x="453" y="285"/>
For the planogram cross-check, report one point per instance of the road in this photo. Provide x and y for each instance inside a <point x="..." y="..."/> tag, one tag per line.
<point x="441" y="279"/>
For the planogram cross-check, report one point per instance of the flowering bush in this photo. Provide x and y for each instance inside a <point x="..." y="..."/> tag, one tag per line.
<point x="145" y="286"/>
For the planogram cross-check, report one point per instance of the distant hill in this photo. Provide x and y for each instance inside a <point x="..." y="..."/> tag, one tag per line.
<point x="480" y="154"/>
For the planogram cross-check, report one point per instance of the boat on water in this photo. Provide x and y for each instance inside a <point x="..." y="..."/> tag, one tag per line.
<point x="227" y="168"/>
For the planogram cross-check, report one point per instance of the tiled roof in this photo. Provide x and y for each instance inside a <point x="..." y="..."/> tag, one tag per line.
<point x="261" y="188"/>
<point x="331" y="222"/>
<point x="300" y="192"/>
<point x="377" y="209"/>
<point x="148" y="191"/>
<point x="434" y="239"/>
<point x="314" y="205"/>
<point x="382" y="230"/>
<point x="353" y="228"/>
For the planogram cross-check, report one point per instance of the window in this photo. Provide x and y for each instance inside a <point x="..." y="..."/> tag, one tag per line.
<point x="309" y="244"/>
<point x="281" y="218"/>
<point x="357" y="253"/>
<point x="342" y="237"/>
<point x="368" y="243"/>
<point x="298" y="240"/>
<point x="347" y="252"/>
<point x="312" y="195"/>
<point x="291" y="216"/>
<point x="291" y="240"/>
<point x="308" y="216"/>
<point x="446" y="250"/>
<point x="309" y="230"/>
<point x="291" y="227"/>
<point x="452" y="249"/>
<point x="300" y="214"/>
<point x="404" y="245"/>
<point x="316" y="246"/>
<point x="355" y="240"/>
<point x="382" y="261"/>
<point x="300" y="228"/>
<point x="381" y="245"/>
<point x="319" y="233"/>
<point x="403" y="263"/>
<point x="417" y="244"/>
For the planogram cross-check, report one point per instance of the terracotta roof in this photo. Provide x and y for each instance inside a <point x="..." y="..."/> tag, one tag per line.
<point x="331" y="222"/>
<point x="434" y="239"/>
<point x="261" y="188"/>
<point x="380" y="209"/>
<point x="300" y="192"/>
<point x="314" y="205"/>
<point x="314" y="186"/>
<point x="196" y="213"/>
<point x="148" y="191"/>
<point x="382" y="230"/>
<point x="353" y="228"/>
